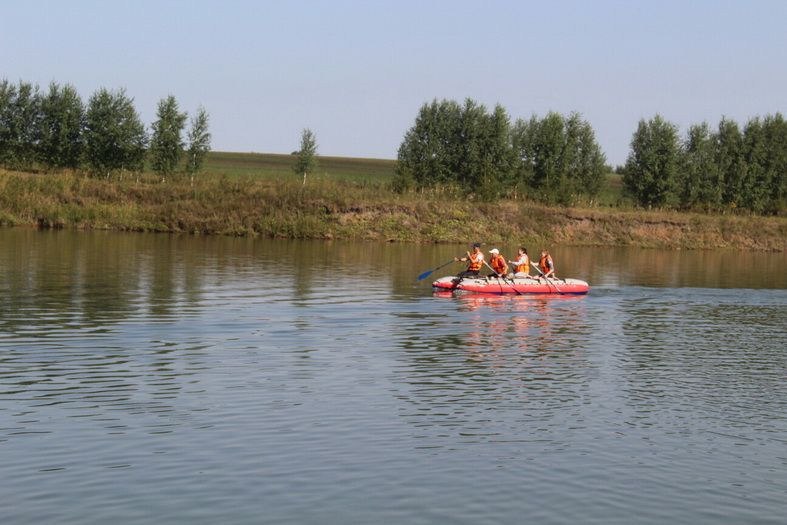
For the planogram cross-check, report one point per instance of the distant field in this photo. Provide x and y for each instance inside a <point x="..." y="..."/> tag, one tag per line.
<point x="612" y="192"/>
<point x="267" y="165"/>
<point x="359" y="170"/>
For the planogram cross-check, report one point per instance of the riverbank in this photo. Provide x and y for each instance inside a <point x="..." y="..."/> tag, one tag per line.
<point x="331" y="208"/>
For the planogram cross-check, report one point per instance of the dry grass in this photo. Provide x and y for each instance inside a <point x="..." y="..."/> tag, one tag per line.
<point x="327" y="207"/>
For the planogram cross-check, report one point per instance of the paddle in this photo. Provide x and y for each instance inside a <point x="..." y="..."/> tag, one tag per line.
<point x="430" y="272"/>
<point x="546" y="278"/>
<point x="512" y="283"/>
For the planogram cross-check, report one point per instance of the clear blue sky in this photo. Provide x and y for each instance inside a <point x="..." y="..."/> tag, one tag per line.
<point x="357" y="72"/>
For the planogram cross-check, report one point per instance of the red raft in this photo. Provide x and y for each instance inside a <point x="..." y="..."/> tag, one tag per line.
<point x="519" y="285"/>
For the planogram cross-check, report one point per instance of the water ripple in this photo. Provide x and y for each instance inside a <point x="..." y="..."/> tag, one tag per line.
<point x="166" y="384"/>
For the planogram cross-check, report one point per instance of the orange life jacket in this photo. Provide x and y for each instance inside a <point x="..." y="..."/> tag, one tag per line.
<point x="498" y="263"/>
<point x="546" y="264"/>
<point x="475" y="261"/>
<point x="524" y="267"/>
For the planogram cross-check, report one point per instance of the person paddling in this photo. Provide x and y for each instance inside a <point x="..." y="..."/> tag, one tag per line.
<point x="546" y="264"/>
<point x="498" y="263"/>
<point x="474" y="260"/>
<point x="521" y="265"/>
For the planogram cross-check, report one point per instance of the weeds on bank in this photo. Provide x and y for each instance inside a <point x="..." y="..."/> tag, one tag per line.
<point x="328" y="207"/>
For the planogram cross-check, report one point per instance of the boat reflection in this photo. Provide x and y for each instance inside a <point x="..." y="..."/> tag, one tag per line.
<point x="523" y="321"/>
<point x="489" y="357"/>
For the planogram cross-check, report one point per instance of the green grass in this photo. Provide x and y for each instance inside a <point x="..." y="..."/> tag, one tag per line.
<point x="258" y="194"/>
<point x="274" y="165"/>
<point x="612" y="191"/>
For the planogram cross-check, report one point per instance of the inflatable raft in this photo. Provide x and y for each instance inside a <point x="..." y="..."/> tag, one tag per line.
<point x="500" y="285"/>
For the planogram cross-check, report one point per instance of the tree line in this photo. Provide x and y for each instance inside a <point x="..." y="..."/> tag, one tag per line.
<point x="54" y="129"/>
<point x="466" y="148"/>
<point x="711" y="169"/>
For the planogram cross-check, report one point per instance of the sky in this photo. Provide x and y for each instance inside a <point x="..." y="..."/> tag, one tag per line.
<point x="356" y="72"/>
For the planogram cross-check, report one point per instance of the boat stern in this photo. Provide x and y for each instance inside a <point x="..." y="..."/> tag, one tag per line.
<point x="445" y="283"/>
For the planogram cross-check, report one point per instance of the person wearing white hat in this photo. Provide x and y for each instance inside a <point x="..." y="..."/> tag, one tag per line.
<point x="498" y="263"/>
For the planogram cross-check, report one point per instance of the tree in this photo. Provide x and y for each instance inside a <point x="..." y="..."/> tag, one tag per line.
<point x="462" y="146"/>
<point x="479" y="152"/>
<point x="523" y="141"/>
<point x="558" y="157"/>
<point x="765" y="151"/>
<point x="730" y="161"/>
<point x="166" y="145"/>
<point x="466" y="146"/>
<point x="757" y="181"/>
<point x="497" y="160"/>
<point x="482" y="154"/>
<point x="591" y="162"/>
<point x="307" y="155"/>
<point x="60" y="127"/>
<point x="548" y="166"/>
<point x="701" y="181"/>
<point x="776" y="138"/>
<point x="199" y="142"/>
<point x="652" y="164"/>
<point x="114" y="135"/>
<point x="20" y="112"/>
<point x="7" y="99"/>
<point x="427" y="155"/>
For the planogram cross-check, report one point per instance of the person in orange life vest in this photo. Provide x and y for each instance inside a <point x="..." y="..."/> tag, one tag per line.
<point x="498" y="263"/>
<point x="474" y="260"/>
<point x="546" y="264"/>
<point x="521" y="265"/>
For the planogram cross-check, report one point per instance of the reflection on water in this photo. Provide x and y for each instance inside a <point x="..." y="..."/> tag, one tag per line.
<point x="167" y="378"/>
<point x="509" y="359"/>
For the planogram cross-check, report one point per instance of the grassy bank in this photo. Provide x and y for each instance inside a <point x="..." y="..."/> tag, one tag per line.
<point x="345" y="201"/>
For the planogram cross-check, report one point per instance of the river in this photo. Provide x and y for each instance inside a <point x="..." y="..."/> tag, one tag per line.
<point x="167" y="379"/>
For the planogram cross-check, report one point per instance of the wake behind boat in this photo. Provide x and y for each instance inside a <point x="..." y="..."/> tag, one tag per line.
<point x="505" y="285"/>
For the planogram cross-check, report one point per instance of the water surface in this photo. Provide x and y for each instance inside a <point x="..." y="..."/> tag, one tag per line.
<point x="155" y="378"/>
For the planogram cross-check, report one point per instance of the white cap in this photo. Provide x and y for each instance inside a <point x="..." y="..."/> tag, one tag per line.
<point x="495" y="251"/>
